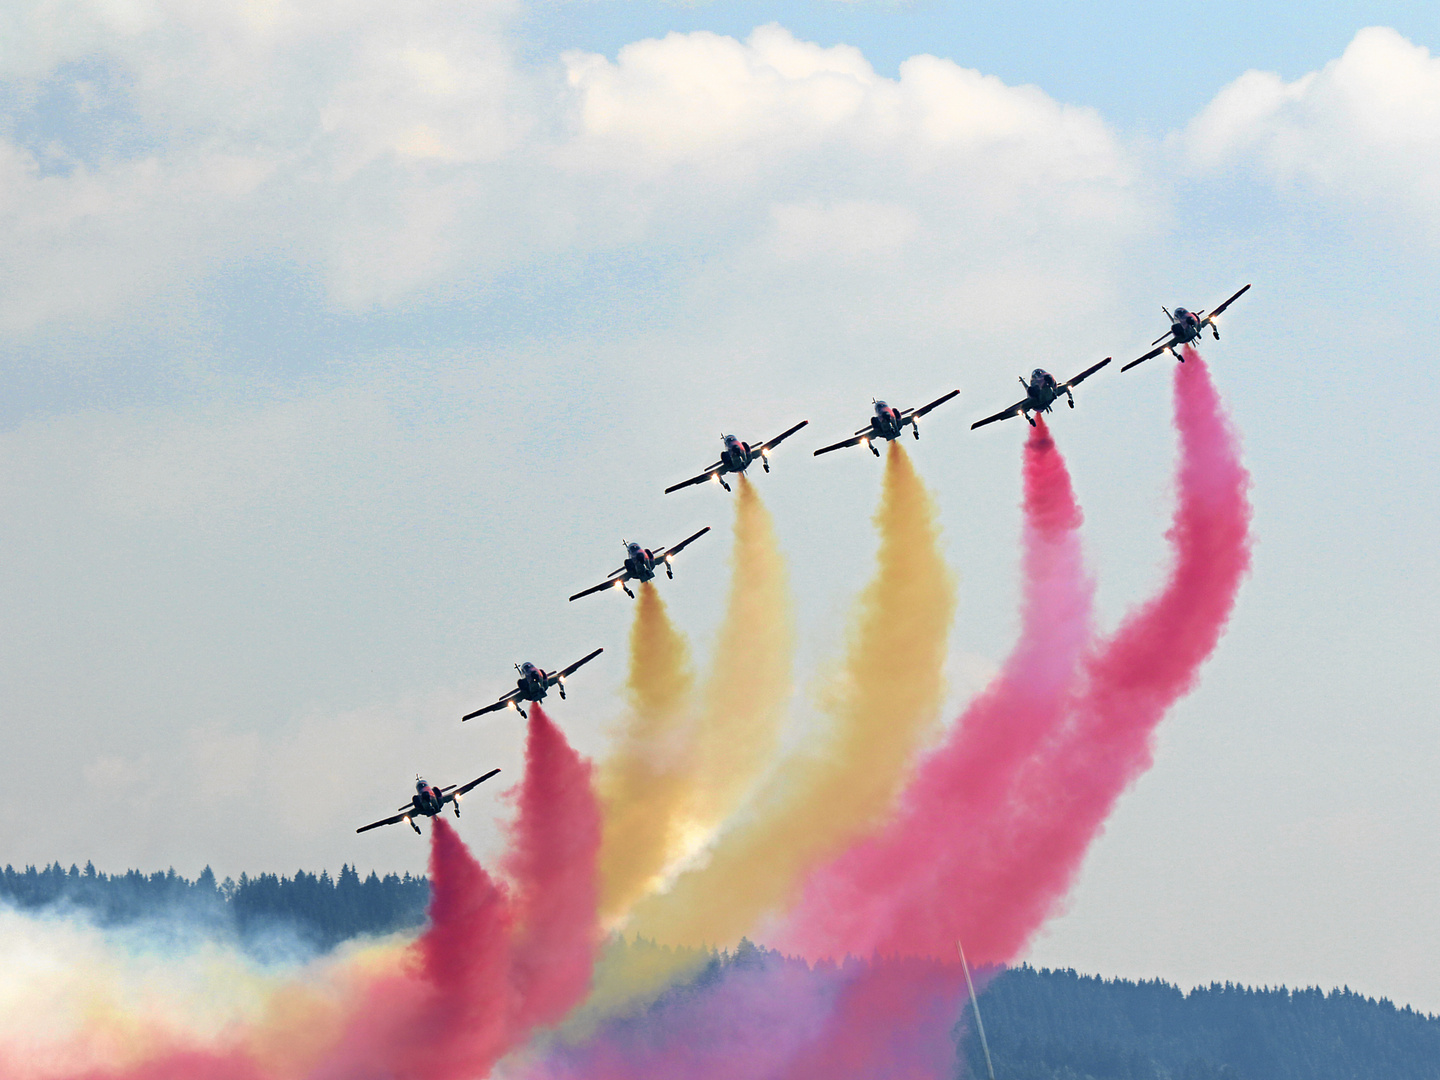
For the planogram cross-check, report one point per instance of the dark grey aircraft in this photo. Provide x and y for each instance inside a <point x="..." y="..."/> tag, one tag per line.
<point x="1185" y="327"/>
<point x="887" y="423"/>
<point x="736" y="457"/>
<point x="1041" y="392"/>
<point x="428" y="802"/>
<point x="640" y="564"/>
<point x="532" y="685"/>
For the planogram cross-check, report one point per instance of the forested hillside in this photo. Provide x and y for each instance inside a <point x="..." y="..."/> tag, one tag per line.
<point x="1057" y="1025"/>
<point x="322" y="911"/>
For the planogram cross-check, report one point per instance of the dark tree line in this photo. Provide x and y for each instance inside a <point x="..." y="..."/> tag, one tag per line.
<point x="322" y="911"/>
<point x="1058" y="1025"/>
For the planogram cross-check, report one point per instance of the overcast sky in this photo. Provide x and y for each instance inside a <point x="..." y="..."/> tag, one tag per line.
<point x="343" y="340"/>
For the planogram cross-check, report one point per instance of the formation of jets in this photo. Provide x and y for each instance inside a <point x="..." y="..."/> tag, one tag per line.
<point x="887" y="423"/>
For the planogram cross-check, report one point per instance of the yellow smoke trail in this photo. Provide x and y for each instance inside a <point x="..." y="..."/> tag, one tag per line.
<point x="841" y="784"/>
<point x="644" y="783"/>
<point x="714" y="762"/>
<point x="750" y="676"/>
<point x="673" y="777"/>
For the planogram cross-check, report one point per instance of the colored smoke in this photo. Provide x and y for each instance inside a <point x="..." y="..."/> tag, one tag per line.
<point x="644" y="783"/>
<point x="495" y="962"/>
<point x="750" y="676"/>
<point x="843" y="780"/>
<point x="675" y="776"/>
<point x="902" y="889"/>
<point x="761" y="1016"/>
<point x="1129" y="682"/>
<point x="994" y="829"/>
<point x="553" y="863"/>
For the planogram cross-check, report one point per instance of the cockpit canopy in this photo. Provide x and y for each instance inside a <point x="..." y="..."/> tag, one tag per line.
<point x="1038" y="375"/>
<point x="1181" y="314"/>
<point x="881" y="407"/>
<point x="420" y="785"/>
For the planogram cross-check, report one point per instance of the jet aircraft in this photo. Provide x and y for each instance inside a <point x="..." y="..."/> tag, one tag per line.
<point x="428" y="802"/>
<point x="1041" y="392"/>
<point x="532" y="685"/>
<point x="887" y="423"/>
<point x="1185" y="327"/>
<point x="640" y="564"/>
<point x="736" y="457"/>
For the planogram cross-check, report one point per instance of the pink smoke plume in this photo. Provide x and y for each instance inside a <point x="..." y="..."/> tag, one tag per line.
<point x="1129" y="683"/>
<point x="901" y="889"/>
<point x="994" y="827"/>
<point x="554" y="866"/>
<point x="494" y="963"/>
<point x="762" y="1016"/>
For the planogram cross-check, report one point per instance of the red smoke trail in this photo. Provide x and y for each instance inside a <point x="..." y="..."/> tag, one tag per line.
<point x="447" y="1015"/>
<point x="554" y="864"/>
<point x="491" y="966"/>
<point x="902" y="889"/>
<point x="1151" y="661"/>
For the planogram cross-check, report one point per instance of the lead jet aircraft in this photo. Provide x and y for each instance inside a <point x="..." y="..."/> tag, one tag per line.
<point x="532" y="685"/>
<point x="640" y="564"/>
<point x="736" y="457"/>
<point x="428" y="802"/>
<point x="1185" y="327"/>
<point x="1041" y="392"/>
<point x="887" y="423"/>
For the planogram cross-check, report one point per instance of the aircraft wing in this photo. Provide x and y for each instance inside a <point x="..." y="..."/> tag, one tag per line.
<point x="1078" y="379"/>
<point x="608" y="583"/>
<point x="711" y="471"/>
<point x="1013" y="410"/>
<point x="506" y="700"/>
<point x="573" y="667"/>
<point x="682" y="545"/>
<point x="938" y="401"/>
<point x="854" y="440"/>
<point x="1227" y="303"/>
<point x="1148" y="355"/>
<point x="778" y="439"/>
<point x="473" y="783"/>
<point x="387" y="821"/>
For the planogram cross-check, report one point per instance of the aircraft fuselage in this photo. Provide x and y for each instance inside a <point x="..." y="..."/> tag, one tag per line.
<point x="1185" y="326"/>
<point x="736" y="455"/>
<point x="888" y="422"/>
<point x="426" y="800"/>
<point x="1042" y="390"/>
<point x="639" y="562"/>
<point x="533" y="682"/>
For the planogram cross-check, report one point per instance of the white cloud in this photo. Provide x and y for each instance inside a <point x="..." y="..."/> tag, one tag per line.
<point x="398" y="152"/>
<point x="735" y="108"/>
<point x="1366" y="127"/>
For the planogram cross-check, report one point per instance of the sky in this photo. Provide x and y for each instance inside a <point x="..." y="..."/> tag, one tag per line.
<point x="343" y="342"/>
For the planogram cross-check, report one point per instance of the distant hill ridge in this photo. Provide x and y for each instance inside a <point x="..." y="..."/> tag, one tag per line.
<point x="1059" y="1025"/>
<point x="322" y="911"/>
<point x="1042" y="1024"/>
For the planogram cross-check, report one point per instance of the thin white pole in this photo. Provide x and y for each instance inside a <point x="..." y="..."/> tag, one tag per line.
<point x="975" y="1004"/>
